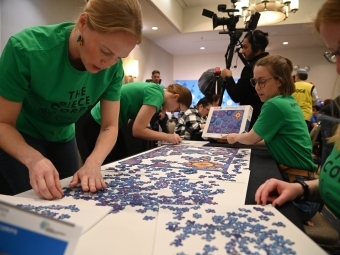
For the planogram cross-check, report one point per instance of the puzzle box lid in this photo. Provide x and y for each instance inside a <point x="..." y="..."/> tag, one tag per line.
<point x="227" y="119"/>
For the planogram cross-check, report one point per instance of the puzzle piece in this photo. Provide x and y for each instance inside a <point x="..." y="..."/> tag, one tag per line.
<point x="229" y="230"/>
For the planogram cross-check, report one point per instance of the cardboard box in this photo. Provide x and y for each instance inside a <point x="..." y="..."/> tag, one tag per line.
<point x="226" y="120"/>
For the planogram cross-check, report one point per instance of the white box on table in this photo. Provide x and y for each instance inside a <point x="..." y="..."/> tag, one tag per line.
<point x="225" y="120"/>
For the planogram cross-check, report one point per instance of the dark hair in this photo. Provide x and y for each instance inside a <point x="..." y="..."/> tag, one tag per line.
<point x="326" y="101"/>
<point x="316" y="107"/>
<point x="205" y="101"/>
<point x="216" y="98"/>
<point x="155" y="71"/>
<point x="260" y="42"/>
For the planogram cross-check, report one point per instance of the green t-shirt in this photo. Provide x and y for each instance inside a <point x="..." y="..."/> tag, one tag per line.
<point x="35" y="70"/>
<point x="133" y="96"/>
<point x="283" y="128"/>
<point x="329" y="182"/>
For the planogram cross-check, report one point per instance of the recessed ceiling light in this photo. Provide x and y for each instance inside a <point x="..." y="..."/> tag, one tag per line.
<point x="202" y="48"/>
<point x="285" y="43"/>
<point x="154" y="28"/>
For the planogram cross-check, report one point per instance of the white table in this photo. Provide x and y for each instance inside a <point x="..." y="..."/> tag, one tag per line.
<point x="125" y="232"/>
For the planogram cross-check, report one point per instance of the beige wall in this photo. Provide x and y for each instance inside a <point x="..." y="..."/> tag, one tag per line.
<point x="151" y="57"/>
<point x="16" y="15"/>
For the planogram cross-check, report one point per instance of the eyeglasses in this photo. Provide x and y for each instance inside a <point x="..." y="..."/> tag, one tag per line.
<point x="331" y="56"/>
<point x="261" y="82"/>
<point x="208" y="109"/>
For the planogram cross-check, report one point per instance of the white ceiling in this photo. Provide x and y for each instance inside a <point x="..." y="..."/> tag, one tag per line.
<point x="177" y="43"/>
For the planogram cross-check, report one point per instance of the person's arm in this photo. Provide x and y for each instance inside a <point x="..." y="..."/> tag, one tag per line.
<point x="89" y="174"/>
<point x="315" y="96"/>
<point x="44" y="178"/>
<point x="139" y="128"/>
<point x="161" y="114"/>
<point x="193" y="123"/>
<point x="261" y="143"/>
<point x="246" y="138"/>
<point x="180" y="126"/>
<point x="331" y="109"/>
<point x="326" y="109"/>
<point x="279" y="192"/>
<point x="242" y="89"/>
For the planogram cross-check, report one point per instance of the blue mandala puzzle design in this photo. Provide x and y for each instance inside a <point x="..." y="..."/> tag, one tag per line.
<point x="225" y="121"/>
<point x="194" y="158"/>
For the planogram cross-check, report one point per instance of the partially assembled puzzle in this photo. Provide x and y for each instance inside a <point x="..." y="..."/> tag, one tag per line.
<point x="230" y="164"/>
<point x="191" y="197"/>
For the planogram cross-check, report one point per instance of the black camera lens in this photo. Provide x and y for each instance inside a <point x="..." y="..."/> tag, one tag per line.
<point x="221" y="7"/>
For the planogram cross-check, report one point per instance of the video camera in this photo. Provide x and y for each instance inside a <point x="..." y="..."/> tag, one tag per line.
<point x="235" y="34"/>
<point x="223" y="21"/>
<point x="232" y="20"/>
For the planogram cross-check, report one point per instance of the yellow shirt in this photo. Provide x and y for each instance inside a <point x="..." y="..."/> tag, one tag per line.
<point x="303" y="96"/>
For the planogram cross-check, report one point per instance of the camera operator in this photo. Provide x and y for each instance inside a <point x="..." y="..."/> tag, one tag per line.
<point x="253" y="48"/>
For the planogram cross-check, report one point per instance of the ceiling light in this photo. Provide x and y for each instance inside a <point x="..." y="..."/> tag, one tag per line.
<point x="271" y="11"/>
<point x="154" y="28"/>
<point x="202" y="48"/>
<point x="285" y="43"/>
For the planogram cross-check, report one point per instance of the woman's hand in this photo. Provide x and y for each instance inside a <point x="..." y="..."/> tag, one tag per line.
<point x="90" y="177"/>
<point x="173" y="138"/>
<point x="44" y="179"/>
<point x="231" y="138"/>
<point x="277" y="192"/>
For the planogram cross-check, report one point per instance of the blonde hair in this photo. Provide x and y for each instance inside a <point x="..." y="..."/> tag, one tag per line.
<point x="185" y="96"/>
<point x="329" y="13"/>
<point x="281" y="69"/>
<point x="107" y="16"/>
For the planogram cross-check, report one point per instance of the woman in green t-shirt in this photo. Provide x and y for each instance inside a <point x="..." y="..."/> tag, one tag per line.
<point x="327" y="188"/>
<point x="49" y="77"/>
<point x="281" y="125"/>
<point x="139" y="101"/>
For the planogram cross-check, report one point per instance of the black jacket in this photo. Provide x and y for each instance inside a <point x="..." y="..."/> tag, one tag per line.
<point x="243" y="92"/>
<point x="332" y="109"/>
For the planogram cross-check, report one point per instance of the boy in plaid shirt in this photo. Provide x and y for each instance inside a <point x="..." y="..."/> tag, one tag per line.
<point x="193" y="120"/>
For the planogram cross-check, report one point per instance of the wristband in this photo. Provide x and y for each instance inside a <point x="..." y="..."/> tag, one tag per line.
<point x="305" y="195"/>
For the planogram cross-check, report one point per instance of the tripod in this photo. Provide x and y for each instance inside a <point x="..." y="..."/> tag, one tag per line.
<point x="234" y="39"/>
